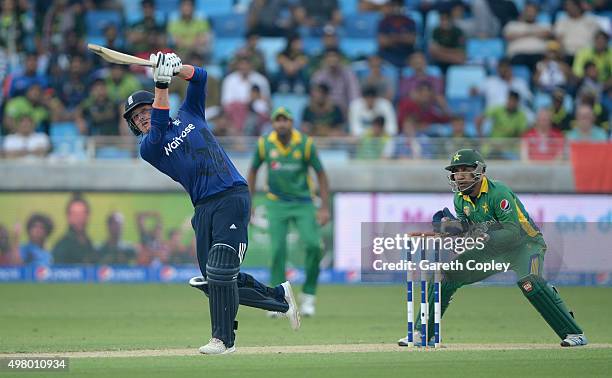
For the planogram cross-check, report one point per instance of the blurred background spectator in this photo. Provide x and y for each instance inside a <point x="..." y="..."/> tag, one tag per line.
<point x="322" y="117"/>
<point x="526" y="37"/>
<point x="39" y="227"/>
<point x="269" y="18"/>
<point x="507" y="121"/>
<point x="552" y="71"/>
<point x="114" y="250"/>
<point x="340" y="79"/>
<point x="576" y="31"/>
<point x="151" y="249"/>
<point x="292" y="62"/>
<point x="24" y="142"/>
<point x="396" y="34"/>
<point x="585" y="129"/>
<point x="447" y="46"/>
<point x="9" y="246"/>
<point x="313" y="15"/>
<point x="75" y="246"/>
<point x="543" y="142"/>
<point x="375" y="142"/>
<point x="190" y="32"/>
<point x="364" y="110"/>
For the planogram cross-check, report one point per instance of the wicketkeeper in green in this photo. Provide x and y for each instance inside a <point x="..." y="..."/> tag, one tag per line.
<point x="288" y="155"/>
<point x="489" y="209"/>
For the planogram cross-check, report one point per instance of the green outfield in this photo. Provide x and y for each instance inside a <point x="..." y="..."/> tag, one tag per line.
<point x="481" y="320"/>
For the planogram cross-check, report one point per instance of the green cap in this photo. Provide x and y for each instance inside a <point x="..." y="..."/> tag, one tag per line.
<point x="465" y="157"/>
<point x="282" y="111"/>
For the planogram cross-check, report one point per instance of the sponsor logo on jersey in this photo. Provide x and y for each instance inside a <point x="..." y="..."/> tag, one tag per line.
<point x="275" y="165"/>
<point x="504" y="204"/>
<point x="466" y="211"/>
<point x="178" y="140"/>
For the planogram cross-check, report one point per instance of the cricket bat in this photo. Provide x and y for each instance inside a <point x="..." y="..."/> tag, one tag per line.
<point x="117" y="57"/>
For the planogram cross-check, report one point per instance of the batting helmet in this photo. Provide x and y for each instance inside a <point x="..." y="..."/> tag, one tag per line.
<point x="133" y="101"/>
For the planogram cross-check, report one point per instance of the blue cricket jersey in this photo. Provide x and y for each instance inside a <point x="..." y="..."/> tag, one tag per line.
<point x="185" y="148"/>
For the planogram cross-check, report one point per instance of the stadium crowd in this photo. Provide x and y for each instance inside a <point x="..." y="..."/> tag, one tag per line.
<point x="392" y="78"/>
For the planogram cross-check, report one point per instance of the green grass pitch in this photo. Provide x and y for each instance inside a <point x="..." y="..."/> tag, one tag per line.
<point x="89" y="317"/>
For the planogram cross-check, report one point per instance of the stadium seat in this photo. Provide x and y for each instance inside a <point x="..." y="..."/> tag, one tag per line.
<point x="111" y="152"/>
<point x="214" y="7"/>
<point x="361" y="25"/>
<point x="224" y="48"/>
<point x="469" y="107"/>
<point x="431" y="70"/>
<point x="522" y="72"/>
<point x="295" y="103"/>
<point x="132" y="11"/>
<point x="228" y="25"/>
<point x="541" y="100"/>
<point x="481" y="50"/>
<point x="271" y="47"/>
<point x="63" y="129"/>
<point x="97" y="20"/>
<point x="215" y="70"/>
<point x="362" y="70"/>
<point x="68" y="147"/>
<point x="412" y="4"/>
<point x="167" y="6"/>
<point x="312" y="45"/>
<point x="544" y="18"/>
<point x="431" y="22"/>
<point x="348" y="7"/>
<point x="355" y="48"/>
<point x="418" y="20"/>
<point x="460" y="79"/>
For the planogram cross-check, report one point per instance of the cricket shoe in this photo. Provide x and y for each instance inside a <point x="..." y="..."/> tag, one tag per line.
<point x="216" y="347"/>
<point x="293" y="314"/>
<point x="307" y="306"/>
<point x="574" y="340"/>
<point x="416" y="340"/>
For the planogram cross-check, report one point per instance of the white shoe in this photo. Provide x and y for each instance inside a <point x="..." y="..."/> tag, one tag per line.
<point x="274" y="314"/>
<point x="574" y="340"/>
<point x="293" y="314"/>
<point x="307" y="307"/>
<point x="216" y="346"/>
<point x="416" y="339"/>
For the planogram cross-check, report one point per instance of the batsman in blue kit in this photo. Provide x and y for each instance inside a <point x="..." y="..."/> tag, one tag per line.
<point x="186" y="150"/>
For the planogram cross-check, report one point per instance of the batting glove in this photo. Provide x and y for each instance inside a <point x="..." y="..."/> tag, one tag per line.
<point x="162" y="70"/>
<point x="175" y="62"/>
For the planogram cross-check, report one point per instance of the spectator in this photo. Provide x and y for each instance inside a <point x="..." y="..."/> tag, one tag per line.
<point x="114" y="250"/>
<point x="601" y="114"/>
<point x="552" y="71"/>
<point x="120" y="83"/>
<point x="482" y="24"/>
<point x="376" y="78"/>
<point x="61" y="18"/>
<point x="189" y="32"/>
<point x="576" y="31"/>
<point x="396" y="34"/>
<point x="151" y="250"/>
<point x="418" y="64"/>
<point x="418" y="113"/>
<point x="585" y="130"/>
<point x="339" y="78"/>
<point x="447" y="46"/>
<point x="600" y="54"/>
<point x="257" y="116"/>
<point x="39" y="227"/>
<point x="321" y="116"/>
<point x="17" y="26"/>
<point x="375" y="143"/>
<point x="559" y="114"/>
<point x="179" y="253"/>
<point x="112" y="40"/>
<point x="496" y="88"/>
<point x="459" y="137"/>
<point x="9" y="247"/>
<point x="256" y="56"/>
<point x="269" y="18"/>
<point x="73" y="90"/>
<point x="25" y="142"/>
<point x="457" y="122"/>
<point x="20" y="83"/>
<point x="314" y="15"/>
<point x="98" y="114"/>
<point x="32" y="104"/>
<point x="372" y="5"/>
<point x="507" y="121"/>
<point x="137" y="34"/>
<point x="292" y="62"/>
<point x="236" y="91"/>
<point x="363" y="111"/>
<point x="590" y="81"/>
<point x="329" y="40"/>
<point x="75" y="246"/>
<point x="543" y="142"/>
<point x="526" y="38"/>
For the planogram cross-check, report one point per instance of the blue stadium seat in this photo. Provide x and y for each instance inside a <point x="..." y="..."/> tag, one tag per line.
<point x="460" y="79"/>
<point x="418" y="20"/>
<point x="544" y="18"/>
<point x="215" y="70"/>
<point x="111" y="152"/>
<point x="271" y="47"/>
<point x="361" y="25"/>
<point x="412" y="4"/>
<point x="97" y="20"/>
<point x="431" y="70"/>
<point x="348" y="6"/>
<point x="295" y="103"/>
<point x="522" y="72"/>
<point x="431" y="22"/>
<point x="225" y="48"/>
<point x="470" y="107"/>
<point x="69" y="147"/>
<point x="132" y="11"/>
<point x="214" y="7"/>
<point x="63" y="129"/>
<point x="312" y="45"/>
<point x="481" y="50"/>
<point x="167" y="6"/>
<point x="229" y="25"/>
<point x="358" y="47"/>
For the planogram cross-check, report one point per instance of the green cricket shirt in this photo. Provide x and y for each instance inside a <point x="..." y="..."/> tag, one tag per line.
<point x="288" y="178"/>
<point x="496" y="205"/>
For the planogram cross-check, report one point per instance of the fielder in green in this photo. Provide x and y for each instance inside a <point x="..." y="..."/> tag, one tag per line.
<point x="288" y="155"/>
<point x="491" y="210"/>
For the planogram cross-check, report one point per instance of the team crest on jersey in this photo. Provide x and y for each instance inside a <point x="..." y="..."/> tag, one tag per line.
<point x="466" y="211"/>
<point x="297" y="155"/>
<point x="527" y="286"/>
<point x="504" y="204"/>
<point x="275" y="165"/>
<point x="273" y="154"/>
